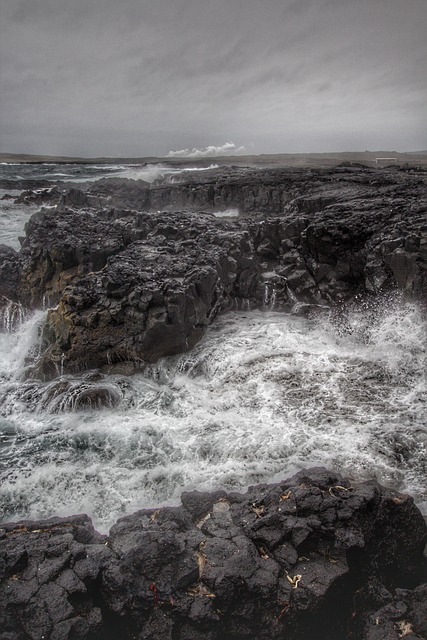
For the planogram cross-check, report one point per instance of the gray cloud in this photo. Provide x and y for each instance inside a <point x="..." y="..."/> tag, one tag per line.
<point x="96" y="77"/>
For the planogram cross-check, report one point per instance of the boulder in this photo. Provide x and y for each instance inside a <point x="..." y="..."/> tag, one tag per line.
<point x="382" y="614"/>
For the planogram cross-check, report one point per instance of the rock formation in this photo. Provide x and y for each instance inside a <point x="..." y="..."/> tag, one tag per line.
<point x="133" y="272"/>
<point x="311" y="557"/>
<point x="132" y="284"/>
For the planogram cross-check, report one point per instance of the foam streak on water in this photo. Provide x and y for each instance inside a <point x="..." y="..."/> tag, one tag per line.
<point x="263" y="395"/>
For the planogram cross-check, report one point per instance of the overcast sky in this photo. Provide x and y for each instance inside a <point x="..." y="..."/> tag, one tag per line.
<point x="142" y="77"/>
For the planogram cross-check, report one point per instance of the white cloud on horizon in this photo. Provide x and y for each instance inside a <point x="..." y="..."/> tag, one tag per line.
<point x="207" y="152"/>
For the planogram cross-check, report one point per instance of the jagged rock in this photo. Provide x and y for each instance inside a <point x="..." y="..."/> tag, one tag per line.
<point x="46" y="195"/>
<point x="135" y="285"/>
<point x="157" y="302"/>
<point x="312" y="556"/>
<point x="10" y="273"/>
<point x="61" y="245"/>
<point x="48" y="584"/>
<point x="380" y="614"/>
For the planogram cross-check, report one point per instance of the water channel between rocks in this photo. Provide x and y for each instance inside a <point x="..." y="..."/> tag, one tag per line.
<point x="263" y="395"/>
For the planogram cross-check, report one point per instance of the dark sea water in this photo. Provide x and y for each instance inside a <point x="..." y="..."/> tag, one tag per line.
<point x="264" y="394"/>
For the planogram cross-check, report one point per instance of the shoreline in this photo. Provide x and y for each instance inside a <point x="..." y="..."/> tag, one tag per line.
<point x="262" y="160"/>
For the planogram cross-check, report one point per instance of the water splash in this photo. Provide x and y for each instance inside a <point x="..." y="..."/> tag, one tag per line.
<point x="21" y="347"/>
<point x="270" y="296"/>
<point x="291" y="295"/>
<point x="12" y="315"/>
<point x="263" y="395"/>
<point x="226" y="213"/>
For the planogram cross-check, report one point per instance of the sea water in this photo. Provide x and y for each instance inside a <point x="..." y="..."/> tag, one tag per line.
<point x="263" y="395"/>
<point x="13" y="215"/>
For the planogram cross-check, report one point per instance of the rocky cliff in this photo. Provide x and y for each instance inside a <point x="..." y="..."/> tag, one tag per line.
<point x="134" y="284"/>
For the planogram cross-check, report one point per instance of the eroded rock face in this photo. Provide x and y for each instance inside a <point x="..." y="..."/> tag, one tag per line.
<point x="10" y="273"/>
<point x="385" y="615"/>
<point x="133" y="285"/>
<point x="313" y="556"/>
<point x="49" y="573"/>
<point x="154" y="297"/>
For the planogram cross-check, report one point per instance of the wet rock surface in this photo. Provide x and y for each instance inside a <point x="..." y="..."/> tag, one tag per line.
<point x="314" y="556"/>
<point x="10" y="272"/>
<point x="139" y="270"/>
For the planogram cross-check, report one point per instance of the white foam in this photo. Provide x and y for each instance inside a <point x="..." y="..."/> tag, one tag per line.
<point x="16" y="347"/>
<point x="227" y="213"/>
<point x="262" y="395"/>
<point x="152" y="172"/>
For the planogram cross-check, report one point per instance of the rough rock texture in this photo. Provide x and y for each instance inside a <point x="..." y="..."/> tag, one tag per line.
<point x="10" y="272"/>
<point x="50" y="579"/>
<point x="311" y="557"/>
<point x="134" y="285"/>
<point x="390" y="616"/>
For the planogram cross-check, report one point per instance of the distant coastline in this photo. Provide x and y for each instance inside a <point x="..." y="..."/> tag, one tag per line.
<point x="263" y="160"/>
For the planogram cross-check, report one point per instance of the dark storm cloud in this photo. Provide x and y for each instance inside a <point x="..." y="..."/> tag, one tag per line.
<point x="142" y="77"/>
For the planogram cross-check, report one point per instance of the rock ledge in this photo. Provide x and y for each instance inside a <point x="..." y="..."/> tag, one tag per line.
<point x="313" y="556"/>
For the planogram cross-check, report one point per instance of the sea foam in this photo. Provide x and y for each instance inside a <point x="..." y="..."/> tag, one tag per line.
<point x="261" y="396"/>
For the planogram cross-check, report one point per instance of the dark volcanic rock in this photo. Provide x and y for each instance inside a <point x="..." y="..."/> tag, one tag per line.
<point x="137" y="285"/>
<point x="311" y="557"/>
<point x="10" y="272"/>
<point x="382" y="615"/>
<point x="61" y="245"/>
<point x="166" y="278"/>
<point x="49" y="572"/>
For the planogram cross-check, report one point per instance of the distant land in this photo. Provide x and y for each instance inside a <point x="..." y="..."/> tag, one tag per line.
<point x="368" y="158"/>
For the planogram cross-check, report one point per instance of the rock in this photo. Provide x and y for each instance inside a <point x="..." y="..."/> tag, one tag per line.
<point x="61" y="245"/>
<point x="41" y="593"/>
<point x="133" y="285"/>
<point x="301" y="559"/>
<point x="159" y="293"/>
<point x="10" y="273"/>
<point x="380" y="614"/>
<point x="47" y="195"/>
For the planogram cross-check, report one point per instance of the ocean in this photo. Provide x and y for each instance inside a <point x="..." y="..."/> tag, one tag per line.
<point x="263" y="395"/>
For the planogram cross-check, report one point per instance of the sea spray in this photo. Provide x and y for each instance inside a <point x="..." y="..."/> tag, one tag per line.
<point x="20" y="347"/>
<point x="12" y="315"/>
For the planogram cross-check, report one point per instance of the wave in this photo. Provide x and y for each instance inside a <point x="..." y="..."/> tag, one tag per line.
<point x="261" y="396"/>
<point x="152" y="172"/>
<point x="227" y="213"/>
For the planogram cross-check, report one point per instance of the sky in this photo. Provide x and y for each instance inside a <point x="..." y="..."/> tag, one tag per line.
<point x="159" y="77"/>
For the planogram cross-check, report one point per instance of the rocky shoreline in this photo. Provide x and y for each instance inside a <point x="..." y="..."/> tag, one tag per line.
<point x="137" y="271"/>
<point x="314" y="556"/>
<point x="132" y="272"/>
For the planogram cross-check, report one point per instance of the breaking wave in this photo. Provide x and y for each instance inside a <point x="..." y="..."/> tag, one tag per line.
<point x="263" y="394"/>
